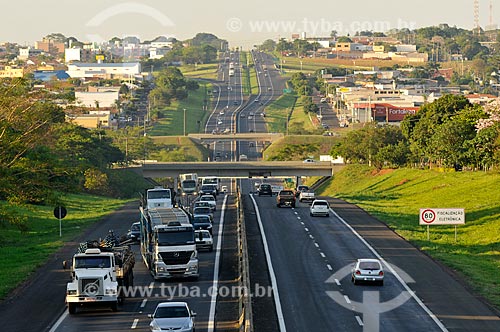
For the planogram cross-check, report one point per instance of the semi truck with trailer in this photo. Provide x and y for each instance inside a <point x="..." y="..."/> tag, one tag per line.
<point x="98" y="271"/>
<point x="168" y="245"/>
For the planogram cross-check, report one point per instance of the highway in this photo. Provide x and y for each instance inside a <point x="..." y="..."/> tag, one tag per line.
<point x="311" y="260"/>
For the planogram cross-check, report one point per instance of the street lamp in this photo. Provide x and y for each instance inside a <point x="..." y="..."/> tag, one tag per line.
<point x="184" y="122"/>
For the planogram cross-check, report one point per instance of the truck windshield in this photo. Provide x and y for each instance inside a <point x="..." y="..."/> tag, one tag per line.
<point x="89" y="262"/>
<point x="210" y="180"/>
<point x="157" y="194"/>
<point x="189" y="184"/>
<point x="175" y="238"/>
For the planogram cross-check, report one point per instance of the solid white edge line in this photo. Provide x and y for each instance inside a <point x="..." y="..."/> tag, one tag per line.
<point x="134" y="324"/>
<point x="274" y="284"/>
<point x="59" y="321"/>
<point x="213" y="300"/>
<point x="401" y="281"/>
<point x="360" y="321"/>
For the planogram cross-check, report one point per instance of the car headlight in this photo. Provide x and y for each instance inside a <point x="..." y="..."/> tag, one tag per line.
<point x="110" y="291"/>
<point x="71" y="292"/>
<point x="188" y="325"/>
<point x="154" y="326"/>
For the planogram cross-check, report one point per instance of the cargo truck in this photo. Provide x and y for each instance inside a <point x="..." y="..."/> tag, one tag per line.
<point x="99" y="270"/>
<point x="168" y="245"/>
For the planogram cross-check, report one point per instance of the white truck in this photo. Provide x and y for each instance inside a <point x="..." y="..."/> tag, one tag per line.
<point x="99" y="270"/>
<point x="168" y="244"/>
<point x="158" y="197"/>
<point x="213" y="180"/>
<point x="188" y="183"/>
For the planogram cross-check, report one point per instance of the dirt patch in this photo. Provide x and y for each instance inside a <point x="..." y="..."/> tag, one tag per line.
<point x="382" y="171"/>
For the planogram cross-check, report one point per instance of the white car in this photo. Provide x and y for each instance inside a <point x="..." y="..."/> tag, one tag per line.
<point x="204" y="240"/>
<point x="170" y="316"/>
<point x="210" y="199"/>
<point x="319" y="207"/>
<point x="368" y="269"/>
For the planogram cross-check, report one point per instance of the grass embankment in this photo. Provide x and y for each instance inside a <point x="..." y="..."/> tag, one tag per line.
<point x="171" y="121"/>
<point x="298" y="123"/>
<point x="323" y="143"/>
<point x="395" y="197"/>
<point x="189" y="147"/>
<point x="204" y="71"/>
<point x="248" y="75"/>
<point x="277" y="113"/>
<point x="22" y="252"/>
<point x="310" y="65"/>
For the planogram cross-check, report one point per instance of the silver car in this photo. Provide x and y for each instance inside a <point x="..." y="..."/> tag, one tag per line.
<point x="368" y="269"/>
<point x="319" y="207"/>
<point x="172" y="316"/>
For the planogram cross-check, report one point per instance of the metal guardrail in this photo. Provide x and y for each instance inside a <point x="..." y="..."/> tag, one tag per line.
<point x="245" y="305"/>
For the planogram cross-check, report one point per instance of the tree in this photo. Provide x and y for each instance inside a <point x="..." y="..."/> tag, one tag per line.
<point x="268" y="45"/>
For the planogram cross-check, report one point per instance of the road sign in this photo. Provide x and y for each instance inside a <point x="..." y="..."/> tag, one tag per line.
<point x="60" y="212"/>
<point x="442" y="217"/>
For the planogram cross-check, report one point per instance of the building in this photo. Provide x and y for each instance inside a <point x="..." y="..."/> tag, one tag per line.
<point x="72" y="54"/>
<point x="11" y="71"/>
<point x="50" y="46"/>
<point x="92" y="121"/>
<point x="104" y="70"/>
<point x="49" y="75"/>
<point x="26" y="53"/>
<point x="97" y="99"/>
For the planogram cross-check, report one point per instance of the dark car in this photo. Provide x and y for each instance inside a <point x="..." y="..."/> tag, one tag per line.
<point x="265" y="189"/>
<point x="134" y="233"/>
<point x="208" y="189"/>
<point x="202" y="222"/>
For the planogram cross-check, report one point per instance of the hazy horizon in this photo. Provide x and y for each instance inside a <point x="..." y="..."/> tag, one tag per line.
<point x="259" y="20"/>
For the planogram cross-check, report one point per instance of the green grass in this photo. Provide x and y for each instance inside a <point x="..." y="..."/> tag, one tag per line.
<point x="324" y="143"/>
<point x="245" y="74"/>
<point x="189" y="147"/>
<point x="395" y="197"/>
<point x="171" y="121"/>
<point x="22" y="252"/>
<point x="205" y="71"/>
<point x="300" y="122"/>
<point x="277" y="112"/>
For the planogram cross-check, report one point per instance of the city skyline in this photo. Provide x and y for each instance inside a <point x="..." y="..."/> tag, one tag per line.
<point x="260" y="20"/>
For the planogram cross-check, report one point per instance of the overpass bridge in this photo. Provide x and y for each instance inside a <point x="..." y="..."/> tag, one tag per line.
<point x="240" y="169"/>
<point x="268" y="137"/>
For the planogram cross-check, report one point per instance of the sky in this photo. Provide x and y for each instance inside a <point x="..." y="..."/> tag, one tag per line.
<point x="242" y="23"/>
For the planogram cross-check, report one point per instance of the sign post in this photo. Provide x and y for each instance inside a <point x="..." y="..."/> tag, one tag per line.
<point x="60" y="212"/>
<point x="441" y="217"/>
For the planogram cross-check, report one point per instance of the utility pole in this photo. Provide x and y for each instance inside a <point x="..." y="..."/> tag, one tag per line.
<point x="184" y="122"/>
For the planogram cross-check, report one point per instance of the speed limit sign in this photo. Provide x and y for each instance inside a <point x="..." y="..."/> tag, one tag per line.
<point x="427" y="216"/>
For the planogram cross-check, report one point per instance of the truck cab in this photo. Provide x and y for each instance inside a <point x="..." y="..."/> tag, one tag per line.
<point x="93" y="280"/>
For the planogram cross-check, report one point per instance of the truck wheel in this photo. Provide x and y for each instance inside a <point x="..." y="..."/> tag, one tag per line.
<point x="72" y="308"/>
<point x="114" y="306"/>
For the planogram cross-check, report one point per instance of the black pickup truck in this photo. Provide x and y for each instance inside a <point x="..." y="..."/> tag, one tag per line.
<point x="285" y="197"/>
